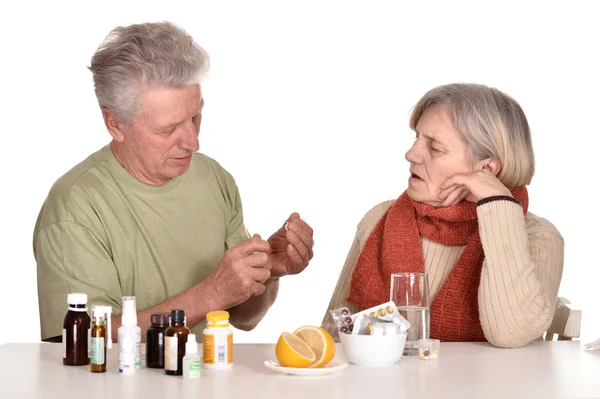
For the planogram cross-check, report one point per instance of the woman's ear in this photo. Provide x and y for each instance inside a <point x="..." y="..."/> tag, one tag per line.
<point x="491" y="164"/>
<point x="113" y="125"/>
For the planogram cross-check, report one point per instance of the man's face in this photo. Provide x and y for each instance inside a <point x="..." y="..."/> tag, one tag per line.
<point x="159" y="142"/>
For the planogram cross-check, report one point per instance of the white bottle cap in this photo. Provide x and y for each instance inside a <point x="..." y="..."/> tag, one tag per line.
<point x="129" y="316"/>
<point x="191" y="346"/>
<point x="77" y="299"/>
<point x="98" y="311"/>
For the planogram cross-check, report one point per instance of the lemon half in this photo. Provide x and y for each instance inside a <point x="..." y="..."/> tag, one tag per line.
<point x="291" y="351"/>
<point x="320" y="341"/>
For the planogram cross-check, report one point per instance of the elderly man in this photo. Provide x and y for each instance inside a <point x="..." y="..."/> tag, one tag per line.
<point x="149" y="216"/>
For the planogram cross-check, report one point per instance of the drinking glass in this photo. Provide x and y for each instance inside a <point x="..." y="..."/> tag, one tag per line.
<point x="410" y="293"/>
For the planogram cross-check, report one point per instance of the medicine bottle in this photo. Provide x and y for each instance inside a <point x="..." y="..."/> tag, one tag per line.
<point x="130" y="337"/>
<point x="155" y="341"/>
<point x="98" y="341"/>
<point x="218" y="341"/>
<point x="175" y="339"/>
<point x="76" y="331"/>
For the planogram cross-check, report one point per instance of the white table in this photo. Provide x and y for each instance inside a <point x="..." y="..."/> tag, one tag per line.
<point x="464" y="370"/>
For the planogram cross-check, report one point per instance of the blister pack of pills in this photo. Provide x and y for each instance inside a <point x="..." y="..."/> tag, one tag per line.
<point x="343" y="320"/>
<point x="386" y="311"/>
<point x="383" y="319"/>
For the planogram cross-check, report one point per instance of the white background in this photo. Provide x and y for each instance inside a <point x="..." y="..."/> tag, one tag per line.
<point x="307" y="106"/>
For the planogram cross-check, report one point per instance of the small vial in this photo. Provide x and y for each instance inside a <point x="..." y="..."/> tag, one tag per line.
<point x="76" y="331"/>
<point x="191" y="360"/>
<point x="98" y="341"/>
<point x="155" y="340"/>
<point x="218" y="342"/>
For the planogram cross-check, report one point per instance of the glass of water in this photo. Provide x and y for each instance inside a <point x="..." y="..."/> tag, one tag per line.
<point x="410" y="293"/>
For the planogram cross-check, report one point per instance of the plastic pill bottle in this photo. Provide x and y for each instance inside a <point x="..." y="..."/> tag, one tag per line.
<point x="217" y="342"/>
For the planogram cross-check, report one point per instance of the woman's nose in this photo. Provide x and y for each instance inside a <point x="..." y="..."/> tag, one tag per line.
<point x="413" y="155"/>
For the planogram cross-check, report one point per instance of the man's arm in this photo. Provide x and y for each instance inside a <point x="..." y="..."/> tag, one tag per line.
<point x="195" y="302"/>
<point x="247" y="315"/>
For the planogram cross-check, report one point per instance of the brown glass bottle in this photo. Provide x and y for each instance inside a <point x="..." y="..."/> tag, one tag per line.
<point x="155" y="341"/>
<point x="98" y="341"/>
<point x="175" y="339"/>
<point x="76" y="332"/>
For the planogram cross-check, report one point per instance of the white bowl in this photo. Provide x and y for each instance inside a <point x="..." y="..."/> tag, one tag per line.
<point x="373" y="350"/>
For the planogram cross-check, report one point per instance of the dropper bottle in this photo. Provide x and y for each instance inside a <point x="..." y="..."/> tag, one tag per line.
<point x="191" y="360"/>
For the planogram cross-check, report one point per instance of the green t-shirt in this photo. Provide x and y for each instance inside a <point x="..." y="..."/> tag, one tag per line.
<point x="105" y="233"/>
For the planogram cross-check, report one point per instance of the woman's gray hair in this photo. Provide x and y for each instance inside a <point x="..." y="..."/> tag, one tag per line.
<point x="137" y="57"/>
<point x="492" y="124"/>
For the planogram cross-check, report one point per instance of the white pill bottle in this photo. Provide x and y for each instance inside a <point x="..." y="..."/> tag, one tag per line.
<point x="217" y="342"/>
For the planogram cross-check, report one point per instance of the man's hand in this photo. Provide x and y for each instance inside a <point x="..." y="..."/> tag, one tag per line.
<point x="473" y="187"/>
<point x="292" y="248"/>
<point x="242" y="272"/>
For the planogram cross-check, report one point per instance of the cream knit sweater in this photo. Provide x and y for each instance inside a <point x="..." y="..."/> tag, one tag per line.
<point x="519" y="280"/>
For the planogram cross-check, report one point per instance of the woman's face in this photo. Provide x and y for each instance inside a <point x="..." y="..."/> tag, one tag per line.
<point x="437" y="153"/>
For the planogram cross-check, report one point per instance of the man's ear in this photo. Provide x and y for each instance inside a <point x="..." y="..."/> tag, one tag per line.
<point x="113" y="125"/>
<point x="491" y="164"/>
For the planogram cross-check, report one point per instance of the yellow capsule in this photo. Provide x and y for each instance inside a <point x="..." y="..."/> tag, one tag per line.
<point x="373" y="314"/>
<point x="390" y="309"/>
<point x="369" y="327"/>
<point x="382" y="312"/>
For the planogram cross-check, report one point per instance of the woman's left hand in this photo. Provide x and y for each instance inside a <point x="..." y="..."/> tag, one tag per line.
<point x="473" y="187"/>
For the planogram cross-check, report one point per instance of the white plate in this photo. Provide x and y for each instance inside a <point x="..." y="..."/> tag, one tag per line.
<point x="332" y="367"/>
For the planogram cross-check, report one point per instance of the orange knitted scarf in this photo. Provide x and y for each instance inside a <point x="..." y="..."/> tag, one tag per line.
<point x="394" y="246"/>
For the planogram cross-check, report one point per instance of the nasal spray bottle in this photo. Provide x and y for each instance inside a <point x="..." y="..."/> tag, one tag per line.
<point x="130" y="338"/>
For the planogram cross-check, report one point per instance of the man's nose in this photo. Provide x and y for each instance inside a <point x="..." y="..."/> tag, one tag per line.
<point x="189" y="138"/>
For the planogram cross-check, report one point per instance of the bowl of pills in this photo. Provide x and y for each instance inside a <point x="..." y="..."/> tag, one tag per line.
<point x="373" y="350"/>
<point x="372" y="337"/>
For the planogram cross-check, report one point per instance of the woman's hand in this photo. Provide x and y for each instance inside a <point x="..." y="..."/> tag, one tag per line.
<point x="473" y="187"/>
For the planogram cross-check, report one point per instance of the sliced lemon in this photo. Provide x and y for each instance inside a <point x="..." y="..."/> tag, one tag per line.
<point x="292" y="351"/>
<point x="320" y="341"/>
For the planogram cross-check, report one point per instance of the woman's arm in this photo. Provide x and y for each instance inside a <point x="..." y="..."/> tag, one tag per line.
<point x="520" y="276"/>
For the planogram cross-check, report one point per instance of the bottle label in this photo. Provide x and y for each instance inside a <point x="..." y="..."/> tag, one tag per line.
<point x="218" y="349"/>
<point x="97" y="350"/>
<point x="209" y="349"/>
<point x="171" y="353"/>
<point x="126" y="363"/>
<point x="138" y="348"/>
<point x="195" y="366"/>
<point x="64" y="341"/>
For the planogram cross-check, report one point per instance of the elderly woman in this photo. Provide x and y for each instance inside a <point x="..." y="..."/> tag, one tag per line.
<point x="494" y="268"/>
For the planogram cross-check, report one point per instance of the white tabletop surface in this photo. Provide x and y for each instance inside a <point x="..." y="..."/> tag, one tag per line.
<point x="464" y="370"/>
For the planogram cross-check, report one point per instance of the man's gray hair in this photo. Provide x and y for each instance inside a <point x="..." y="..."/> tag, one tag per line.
<point x="492" y="124"/>
<point x="134" y="58"/>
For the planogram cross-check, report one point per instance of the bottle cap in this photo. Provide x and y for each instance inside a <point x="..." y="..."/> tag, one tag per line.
<point x="218" y="318"/>
<point x="160" y="319"/>
<point x="76" y="298"/>
<point x="98" y="311"/>
<point x="177" y="316"/>
<point x="129" y="315"/>
<point x="191" y="346"/>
